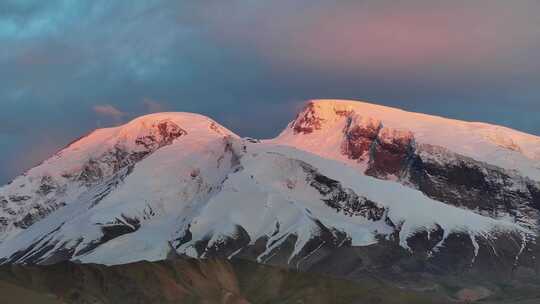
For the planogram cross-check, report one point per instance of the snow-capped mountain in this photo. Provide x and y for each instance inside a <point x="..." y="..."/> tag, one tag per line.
<point x="347" y="186"/>
<point x="487" y="169"/>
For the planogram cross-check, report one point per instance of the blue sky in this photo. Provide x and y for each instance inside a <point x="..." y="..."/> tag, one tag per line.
<point x="67" y="67"/>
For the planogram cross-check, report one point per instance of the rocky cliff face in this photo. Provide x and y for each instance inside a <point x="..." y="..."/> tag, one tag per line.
<point x="440" y="173"/>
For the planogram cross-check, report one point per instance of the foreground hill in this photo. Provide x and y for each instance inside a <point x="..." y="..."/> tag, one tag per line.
<point x="230" y="282"/>
<point x="192" y="281"/>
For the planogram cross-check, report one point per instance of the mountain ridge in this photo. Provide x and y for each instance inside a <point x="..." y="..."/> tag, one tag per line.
<point x="336" y="189"/>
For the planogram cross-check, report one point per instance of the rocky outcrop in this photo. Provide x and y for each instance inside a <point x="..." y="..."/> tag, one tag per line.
<point x="308" y="122"/>
<point x="342" y="199"/>
<point x="360" y="136"/>
<point x="464" y="182"/>
<point x="385" y="150"/>
<point x="160" y="134"/>
<point x="391" y="151"/>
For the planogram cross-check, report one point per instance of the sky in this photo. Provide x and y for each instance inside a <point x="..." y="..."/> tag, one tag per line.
<point x="68" y="67"/>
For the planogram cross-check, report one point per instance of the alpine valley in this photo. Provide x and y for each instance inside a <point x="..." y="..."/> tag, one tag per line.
<point x="351" y="190"/>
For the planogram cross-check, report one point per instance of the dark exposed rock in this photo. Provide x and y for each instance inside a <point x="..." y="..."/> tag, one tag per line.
<point x="327" y="239"/>
<point x="386" y="150"/>
<point x="455" y="254"/>
<point x="229" y="245"/>
<point x="229" y="149"/>
<point x="186" y="237"/>
<point x="390" y="152"/>
<point x="343" y="112"/>
<point x="62" y="253"/>
<point x="252" y="140"/>
<point x="41" y="242"/>
<point x="38" y="212"/>
<point x="19" y="198"/>
<point x="307" y="121"/>
<point x="47" y="185"/>
<point x="342" y="199"/>
<point x="424" y="241"/>
<point x="500" y="255"/>
<point x="224" y="247"/>
<point x="534" y="191"/>
<point x="252" y="251"/>
<point x="478" y="186"/>
<point x="15" y="257"/>
<point x="214" y="127"/>
<point x="201" y="245"/>
<point x="108" y="186"/>
<point x="3" y="202"/>
<point x="167" y="132"/>
<point x="280" y="255"/>
<point x="91" y="173"/>
<point x="111" y="231"/>
<point x="38" y="253"/>
<point x="26" y="221"/>
<point x="360" y="138"/>
<point x="119" y="228"/>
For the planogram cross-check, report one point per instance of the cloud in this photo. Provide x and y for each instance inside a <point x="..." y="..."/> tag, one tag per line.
<point x="383" y="38"/>
<point x="108" y="111"/>
<point x="248" y="64"/>
<point x="152" y="106"/>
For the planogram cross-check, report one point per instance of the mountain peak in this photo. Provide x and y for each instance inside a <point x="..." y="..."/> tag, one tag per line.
<point x="185" y="117"/>
<point x="325" y="124"/>
<point x="148" y="125"/>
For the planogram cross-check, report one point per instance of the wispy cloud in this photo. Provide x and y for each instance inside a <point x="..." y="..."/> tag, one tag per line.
<point x="152" y="106"/>
<point x="109" y="111"/>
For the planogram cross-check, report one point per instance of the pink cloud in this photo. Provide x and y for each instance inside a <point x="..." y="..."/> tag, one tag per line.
<point x="371" y="36"/>
<point x="152" y="106"/>
<point x="108" y="110"/>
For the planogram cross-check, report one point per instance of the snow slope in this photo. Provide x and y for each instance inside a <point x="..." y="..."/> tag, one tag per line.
<point x="271" y="190"/>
